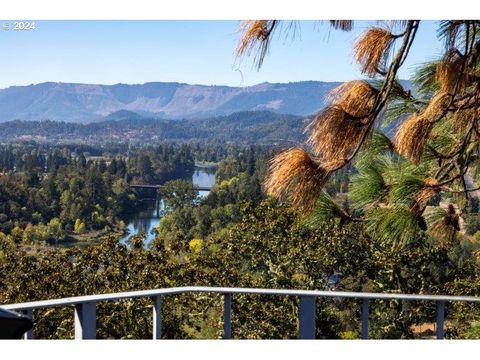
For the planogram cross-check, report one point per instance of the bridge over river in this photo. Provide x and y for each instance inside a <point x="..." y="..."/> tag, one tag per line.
<point x="147" y="219"/>
<point x="159" y="187"/>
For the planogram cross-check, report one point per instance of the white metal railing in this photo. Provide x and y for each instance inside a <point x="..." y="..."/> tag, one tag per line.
<point x="85" y="306"/>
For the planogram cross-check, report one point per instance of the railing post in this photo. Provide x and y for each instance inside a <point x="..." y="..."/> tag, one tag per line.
<point x="85" y="321"/>
<point x="29" y="334"/>
<point x="157" y="317"/>
<point x="365" y="313"/>
<point x="440" y="319"/>
<point x="227" y="316"/>
<point x="307" y="317"/>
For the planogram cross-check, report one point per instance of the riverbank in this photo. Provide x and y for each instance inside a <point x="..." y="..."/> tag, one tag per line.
<point x="83" y="240"/>
<point x="90" y="237"/>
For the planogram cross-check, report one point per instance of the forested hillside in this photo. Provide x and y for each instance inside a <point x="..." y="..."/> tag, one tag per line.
<point x="242" y="127"/>
<point x="53" y="193"/>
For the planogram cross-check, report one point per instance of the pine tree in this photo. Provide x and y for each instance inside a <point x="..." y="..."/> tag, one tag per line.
<point x="434" y="152"/>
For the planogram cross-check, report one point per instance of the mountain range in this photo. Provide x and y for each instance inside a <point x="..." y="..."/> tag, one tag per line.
<point x="85" y="103"/>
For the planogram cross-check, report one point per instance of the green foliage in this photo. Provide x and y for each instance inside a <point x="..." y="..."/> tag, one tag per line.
<point x="73" y="193"/>
<point x="79" y="226"/>
<point x="384" y="192"/>
<point x="349" y="335"/>
<point x="379" y="145"/>
<point x="55" y="230"/>
<point x="473" y="331"/>
<point x="434" y="216"/>
<point x="196" y="245"/>
<point x="268" y="247"/>
<point x="399" y="110"/>
<point x="244" y="127"/>
<point x="326" y="210"/>
<point x="367" y="187"/>
<point x="396" y="226"/>
<point x="178" y="194"/>
<point x="406" y="185"/>
<point x="35" y="234"/>
<point x="423" y="79"/>
<point x="237" y="183"/>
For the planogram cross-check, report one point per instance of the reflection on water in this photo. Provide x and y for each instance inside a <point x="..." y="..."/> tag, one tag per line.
<point x="147" y="220"/>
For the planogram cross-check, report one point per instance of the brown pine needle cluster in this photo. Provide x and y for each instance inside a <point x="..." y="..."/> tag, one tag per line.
<point x="411" y="137"/>
<point x="345" y="25"/>
<point x="437" y="106"/>
<point x="256" y="33"/>
<point x="446" y="76"/>
<point x="432" y="188"/>
<point x="334" y="134"/>
<point x="446" y="229"/>
<point x="371" y="48"/>
<point x="355" y="97"/>
<point x="413" y="134"/>
<point x="449" y="73"/>
<point x="462" y="119"/>
<point x="293" y="174"/>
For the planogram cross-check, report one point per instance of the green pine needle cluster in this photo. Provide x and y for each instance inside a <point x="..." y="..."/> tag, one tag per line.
<point x="399" y="109"/>
<point x="326" y="210"/>
<point x="366" y="186"/>
<point x="381" y="190"/>
<point x="423" y="80"/>
<point x="405" y="180"/>
<point x="379" y="144"/>
<point x="434" y="216"/>
<point x="395" y="226"/>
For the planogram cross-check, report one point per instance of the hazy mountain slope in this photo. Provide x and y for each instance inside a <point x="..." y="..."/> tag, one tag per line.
<point x="87" y="103"/>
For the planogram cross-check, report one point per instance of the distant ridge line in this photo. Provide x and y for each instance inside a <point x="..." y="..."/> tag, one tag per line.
<point x="82" y="103"/>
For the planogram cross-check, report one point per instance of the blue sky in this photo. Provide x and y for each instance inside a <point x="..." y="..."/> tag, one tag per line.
<point x="196" y="52"/>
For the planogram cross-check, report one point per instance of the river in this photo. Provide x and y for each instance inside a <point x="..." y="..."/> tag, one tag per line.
<point x="147" y="220"/>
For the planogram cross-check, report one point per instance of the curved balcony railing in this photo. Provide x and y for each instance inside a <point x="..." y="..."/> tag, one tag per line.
<point x="85" y="313"/>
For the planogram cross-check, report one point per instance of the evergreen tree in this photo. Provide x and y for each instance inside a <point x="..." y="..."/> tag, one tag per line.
<point x="434" y="151"/>
<point x="81" y="161"/>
